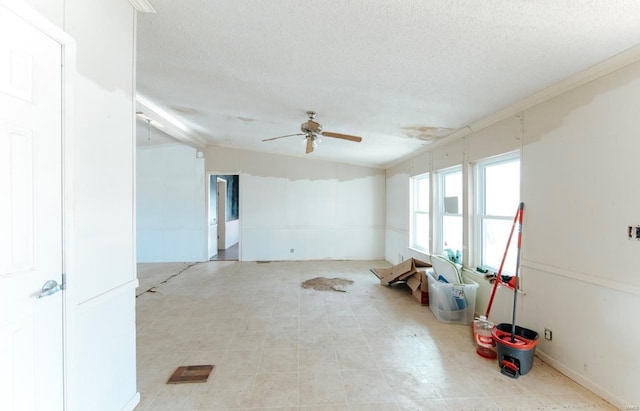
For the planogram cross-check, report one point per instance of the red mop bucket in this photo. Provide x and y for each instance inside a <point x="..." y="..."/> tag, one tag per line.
<point x="515" y="350"/>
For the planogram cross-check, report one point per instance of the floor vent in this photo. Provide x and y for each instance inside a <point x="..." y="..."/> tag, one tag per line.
<point x="190" y="373"/>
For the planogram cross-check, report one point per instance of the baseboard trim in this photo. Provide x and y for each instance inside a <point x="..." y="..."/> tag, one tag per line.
<point x="586" y="383"/>
<point x="132" y="403"/>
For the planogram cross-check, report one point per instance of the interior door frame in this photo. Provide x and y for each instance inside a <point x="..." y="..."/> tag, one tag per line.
<point x="68" y="54"/>
<point x="208" y="214"/>
<point x="240" y="211"/>
<point x="222" y="212"/>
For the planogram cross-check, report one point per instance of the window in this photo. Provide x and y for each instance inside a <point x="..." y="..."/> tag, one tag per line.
<point x="420" y="212"/>
<point x="498" y="188"/>
<point x="450" y="213"/>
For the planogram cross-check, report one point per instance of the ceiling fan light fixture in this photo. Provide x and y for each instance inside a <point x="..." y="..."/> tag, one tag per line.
<point x="312" y="132"/>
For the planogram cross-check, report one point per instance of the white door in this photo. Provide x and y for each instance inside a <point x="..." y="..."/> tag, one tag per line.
<point x="212" y="190"/>
<point x="222" y="214"/>
<point x="31" y="373"/>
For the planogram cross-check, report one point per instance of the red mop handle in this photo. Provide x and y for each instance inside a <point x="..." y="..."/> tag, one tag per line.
<point x="516" y="218"/>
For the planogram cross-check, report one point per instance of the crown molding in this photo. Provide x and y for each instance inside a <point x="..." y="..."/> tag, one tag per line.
<point x="168" y="124"/>
<point x="142" y="6"/>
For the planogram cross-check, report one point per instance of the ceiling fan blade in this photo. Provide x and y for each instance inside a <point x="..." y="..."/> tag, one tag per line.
<point x="288" y="135"/>
<point x="342" y="136"/>
<point x="309" y="145"/>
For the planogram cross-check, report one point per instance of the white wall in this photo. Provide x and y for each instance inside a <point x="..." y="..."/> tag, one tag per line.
<point x="321" y="210"/>
<point x="171" y="204"/>
<point x="100" y="253"/>
<point x="232" y="233"/>
<point x="579" y="271"/>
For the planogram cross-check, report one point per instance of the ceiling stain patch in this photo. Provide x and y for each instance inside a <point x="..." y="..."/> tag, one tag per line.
<point x="186" y="110"/>
<point x="426" y="133"/>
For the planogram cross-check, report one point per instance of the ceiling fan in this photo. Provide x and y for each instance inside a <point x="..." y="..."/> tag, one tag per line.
<point x="312" y="131"/>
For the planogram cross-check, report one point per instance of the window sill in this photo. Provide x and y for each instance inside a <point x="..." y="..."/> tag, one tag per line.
<point x="476" y="275"/>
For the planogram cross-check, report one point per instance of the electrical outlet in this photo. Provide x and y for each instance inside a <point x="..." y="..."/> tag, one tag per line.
<point x="630" y="232"/>
<point x="548" y="334"/>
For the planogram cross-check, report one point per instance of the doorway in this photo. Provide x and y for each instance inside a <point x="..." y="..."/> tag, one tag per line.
<point x="224" y="217"/>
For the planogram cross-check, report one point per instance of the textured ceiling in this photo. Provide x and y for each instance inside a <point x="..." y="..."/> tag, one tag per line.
<point x="398" y="73"/>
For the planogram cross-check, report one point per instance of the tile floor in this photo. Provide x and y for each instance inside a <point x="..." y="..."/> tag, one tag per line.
<point x="230" y="254"/>
<point x="276" y="346"/>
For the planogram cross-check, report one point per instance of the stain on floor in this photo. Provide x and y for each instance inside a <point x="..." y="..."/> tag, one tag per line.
<point x="327" y="284"/>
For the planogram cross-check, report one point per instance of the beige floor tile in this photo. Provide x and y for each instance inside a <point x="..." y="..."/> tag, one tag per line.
<point x="423" y="405"/>
<point x="313" y="338"/>
<point x="380" y="335"/>
<point x="459" y="389"/>
<point x="275" y="390"/>
<point x="519" y="402"/>
<point x="385" y="406"/>
<point x="231" y="391"/>
<point x="316" y="322"/>
<point x="411" y="385"/>
<point x="318" y="360"/>
<point x="572" y="401"/>
<point x="284" y="325"/>
<point x="369" y="320"/>
<point x="355" y="358"/>
<point x="312" y="310"/>
<point x="278" y="360"/>
<point x="366" y="386"/>
<point x="239" y="362"/>
<point x="593" y="399"/>
<point x="471" y="404"/>
<point x="338" y="308"/>
<point x="212" y="342"/>
<point x="348" y="337"/>
<point x="321" y="388"/>
<point x="402" y="356"/>
<point x="250" y="341"/>
<point x="178" y="397"/>
<point x="340" y="407"/>
<point x="203" y="357"/>
<point x="496" y="384"/>
<point x="339" y="322"/>
<point x="282" y="340"/>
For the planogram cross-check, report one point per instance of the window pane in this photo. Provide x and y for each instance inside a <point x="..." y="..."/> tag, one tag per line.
<point x="495" y="234"/>
<point x="453" y="188"/>
<point x="452" y="233"/>
<point x="422" y="194"/>
<point x="502" y="189"/>
<point x="421" y="234"/>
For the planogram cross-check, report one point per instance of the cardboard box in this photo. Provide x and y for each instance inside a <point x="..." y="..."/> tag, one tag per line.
<point x="413" y="272"/>
<point x="400" y="272"/>
<point x="419" y="286"/>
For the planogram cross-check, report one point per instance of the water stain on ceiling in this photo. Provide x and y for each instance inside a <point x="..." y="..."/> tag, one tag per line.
<point x="186" y="110"/>
<point x="427" y="133"/>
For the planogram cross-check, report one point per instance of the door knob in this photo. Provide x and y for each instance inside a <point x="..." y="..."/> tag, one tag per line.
<point x="50" y="287"/>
